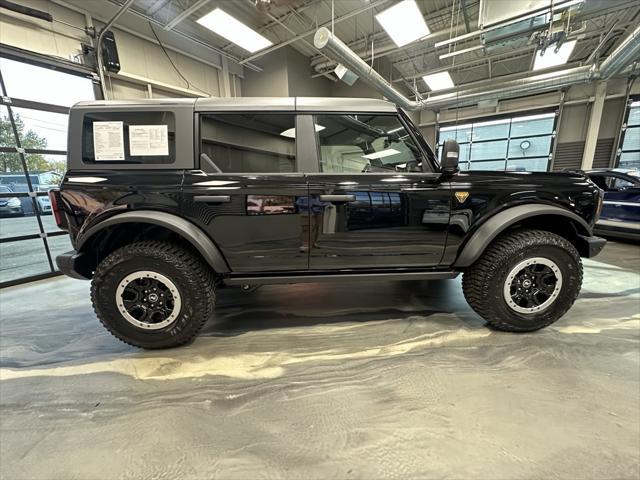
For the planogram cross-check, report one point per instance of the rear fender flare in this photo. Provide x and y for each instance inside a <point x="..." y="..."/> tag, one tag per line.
<point x="490" y="229"/>
<point x="187" y="230"/>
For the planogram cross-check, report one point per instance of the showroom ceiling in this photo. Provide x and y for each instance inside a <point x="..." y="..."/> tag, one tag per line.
<point x="592" y="23"/>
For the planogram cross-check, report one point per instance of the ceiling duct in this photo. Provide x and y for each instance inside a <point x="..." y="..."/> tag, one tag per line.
<point x="626" y="53"/>
<point x="335" y="49"/>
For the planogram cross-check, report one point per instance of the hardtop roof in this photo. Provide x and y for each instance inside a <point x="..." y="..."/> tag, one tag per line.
<point x="299" y="104"/>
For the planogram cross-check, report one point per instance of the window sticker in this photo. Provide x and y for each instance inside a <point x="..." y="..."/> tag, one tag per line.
<point x="108" y="140"/>
<point x="148" y="140"/>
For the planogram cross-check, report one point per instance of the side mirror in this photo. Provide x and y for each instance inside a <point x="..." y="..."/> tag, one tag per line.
<point x="450" y="155"/>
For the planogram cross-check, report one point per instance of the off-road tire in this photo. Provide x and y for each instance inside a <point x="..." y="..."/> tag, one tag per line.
<point x="484" y="281"/>
<point x="192" y="277"/>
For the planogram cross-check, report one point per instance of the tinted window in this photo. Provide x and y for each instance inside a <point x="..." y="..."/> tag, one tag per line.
<point x="132" y="119"/>
<point x="366" y="144"/>
<point x="248" y="143"/>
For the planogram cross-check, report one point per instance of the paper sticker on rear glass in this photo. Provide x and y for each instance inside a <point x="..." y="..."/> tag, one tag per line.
<point x="148" y="140"/>
<point x="108" y="140"/>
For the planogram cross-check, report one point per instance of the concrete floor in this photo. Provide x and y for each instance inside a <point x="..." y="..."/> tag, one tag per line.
<point x="369" y="380"/>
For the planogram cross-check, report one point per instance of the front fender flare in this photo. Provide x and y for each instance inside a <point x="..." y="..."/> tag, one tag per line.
<point x="490" y="229"/>
<point x="187" y="230"/>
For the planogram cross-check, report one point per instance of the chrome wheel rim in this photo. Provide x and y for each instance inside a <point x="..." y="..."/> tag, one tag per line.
<point x="148" y="300"/>
<point x="532" y="285"/>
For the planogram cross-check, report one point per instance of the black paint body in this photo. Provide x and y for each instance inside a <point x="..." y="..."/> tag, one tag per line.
<point x="270" y="223"/>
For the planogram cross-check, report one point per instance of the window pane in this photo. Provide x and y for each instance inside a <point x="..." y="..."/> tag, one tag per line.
<point x="522" y="127"/>
<point x="634" y="116"/>
<point x="39" y="129"/>
<point x="59" y="244"/>
<point x="461" y="133"/>
<point x="239" y="143"/>
<point x="22" y="258"/>
<point x="491" y="130"/>
<point x="16" y="215"/>
<point x="528" y="165"/>
<point x="630" y="160"/>
<point x="26" y="81"/>
<point x="366" y="144"/>
<point x="497" y="165"/>
<point x="489" y="150"/>
<point x="7" y="139"/>
<point x="162" y="140"/>
<point x="530" y="147"/>
<point x="46" y="171"/>
<point x="631" y="139"/>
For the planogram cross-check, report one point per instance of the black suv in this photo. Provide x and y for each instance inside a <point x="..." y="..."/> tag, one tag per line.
<point x="166" y="201"/>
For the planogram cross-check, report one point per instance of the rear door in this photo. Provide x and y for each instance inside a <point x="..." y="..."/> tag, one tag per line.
<point x="374" y="203"/>
<point x="249" y="193"/>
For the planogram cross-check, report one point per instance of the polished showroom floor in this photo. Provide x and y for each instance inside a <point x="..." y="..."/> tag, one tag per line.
<point x="362" y="380"/>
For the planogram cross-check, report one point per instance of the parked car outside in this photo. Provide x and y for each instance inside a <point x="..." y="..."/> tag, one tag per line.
<point x="621" y="207"/>
<point x="10" y="206"/>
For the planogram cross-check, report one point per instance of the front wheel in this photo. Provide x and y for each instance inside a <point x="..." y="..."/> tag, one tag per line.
<point x="524" y="281"/>
<point x="153" y="294"/>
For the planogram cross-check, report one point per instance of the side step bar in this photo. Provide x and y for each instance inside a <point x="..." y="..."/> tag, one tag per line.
<point x="331" y="277"/>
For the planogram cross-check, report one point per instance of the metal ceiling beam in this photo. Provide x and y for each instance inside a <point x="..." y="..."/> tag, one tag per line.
<point x="311" y="32"/>
<point x="465" y="15"/>
<point x="156" y="7"/>
<point x="184" y="14"/>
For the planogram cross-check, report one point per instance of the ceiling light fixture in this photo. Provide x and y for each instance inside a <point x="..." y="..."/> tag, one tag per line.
<point x="438" y="81"/>
<point x="403" y="22"/>
<point x="223" y="24"/>
<point x="551" y="58"/>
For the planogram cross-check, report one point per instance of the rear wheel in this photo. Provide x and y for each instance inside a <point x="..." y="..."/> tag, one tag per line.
<point x="524" y="281"/>
<point x="153" y="294"/>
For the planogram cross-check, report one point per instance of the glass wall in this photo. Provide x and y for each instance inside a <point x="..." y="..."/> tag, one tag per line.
<point x="629" y="151"/>
<point x="519" y="143"/>
<point x="33" y="148"/>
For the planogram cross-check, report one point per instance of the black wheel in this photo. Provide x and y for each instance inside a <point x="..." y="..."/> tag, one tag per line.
<point x="524" y="281"/>
<point x="153" y="294"/>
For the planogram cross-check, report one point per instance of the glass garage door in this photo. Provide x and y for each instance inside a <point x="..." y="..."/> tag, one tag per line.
<point x="520" y="144"/>
<point x="33" y="157"/>
<point x="629" y="151"/>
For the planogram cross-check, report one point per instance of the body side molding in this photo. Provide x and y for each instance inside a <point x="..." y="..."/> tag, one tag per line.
<point x="503" y="220"/>
<point x="182" y="227"/>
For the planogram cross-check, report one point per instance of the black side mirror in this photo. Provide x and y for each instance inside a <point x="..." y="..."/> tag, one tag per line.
<point x="450" y="155"/>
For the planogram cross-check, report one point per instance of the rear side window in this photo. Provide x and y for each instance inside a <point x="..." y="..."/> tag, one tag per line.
<point x="248" y="143"/>
<point x="366" y="144"/>
<point x="129" y="137"/>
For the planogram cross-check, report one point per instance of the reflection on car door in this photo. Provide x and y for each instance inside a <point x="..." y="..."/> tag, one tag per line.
<point x="247" y="194"/>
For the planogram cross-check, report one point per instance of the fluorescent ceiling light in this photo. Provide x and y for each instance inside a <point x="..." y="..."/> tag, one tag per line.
<point x="291" y="132"/>
<point x="381" y="154"/>
<point x="223" y="24"/>
<point x="403" y="22"/>
<point x="438" y="81"/>
<point x="551" y="58"/>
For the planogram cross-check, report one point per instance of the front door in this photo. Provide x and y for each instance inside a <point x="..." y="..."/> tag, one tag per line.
<point x="247" y="194"/>
<point x="374" y="204"/>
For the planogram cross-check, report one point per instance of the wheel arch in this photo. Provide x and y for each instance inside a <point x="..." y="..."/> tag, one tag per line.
<point x="113" y="232"/>
<point x="544" y="217"/>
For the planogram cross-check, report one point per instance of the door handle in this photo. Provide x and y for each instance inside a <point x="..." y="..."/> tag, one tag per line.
<point x="212" y="198"/>
<point x="338" y="198"/>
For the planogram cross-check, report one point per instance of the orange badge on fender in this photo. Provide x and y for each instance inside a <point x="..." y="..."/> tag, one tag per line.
<point x="462" y="196"/>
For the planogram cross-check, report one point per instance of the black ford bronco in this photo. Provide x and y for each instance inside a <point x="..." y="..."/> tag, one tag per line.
<point x="168" y="200"/>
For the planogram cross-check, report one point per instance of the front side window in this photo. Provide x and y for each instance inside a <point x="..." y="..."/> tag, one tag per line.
<point x="248" y="143"/>
<point x="365" y="144"/>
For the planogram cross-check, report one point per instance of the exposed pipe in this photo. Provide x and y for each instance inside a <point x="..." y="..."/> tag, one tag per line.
<point x="104" y="30"/>
<point x="543" y="82"/>
<point x="627" y="52"/>
<point x="309" y="32"/>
